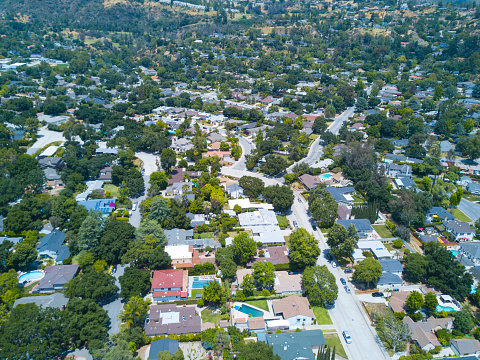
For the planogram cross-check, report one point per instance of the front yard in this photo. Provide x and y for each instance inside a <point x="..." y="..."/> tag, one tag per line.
<point x="334" y="341"/>
<point x="282" y="222"/>
<point x="322" y="316"/>
<point x="460" y="215"/>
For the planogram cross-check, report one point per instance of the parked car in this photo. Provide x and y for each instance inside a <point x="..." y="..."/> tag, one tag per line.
<point x="295" y="223"/>
<point x="347" y="289"/>
<point x="377" y="294"/>
<point x="299" y="200"/>
<point x="314" y="227"/>
<point x="343" y="281"/>
<point x="134" y="207"/>
<point x="348" y="338"/>
<point x="334" y="265"/>
<point x="348" y="271"/>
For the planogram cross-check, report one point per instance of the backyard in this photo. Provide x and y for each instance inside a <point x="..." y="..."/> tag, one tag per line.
<point x="321" y="314"/>
<point x="261" y="304"/>
<point x="112" y="189"/>
<point x="334" y="341"/>
<point x="383" y="231"/>
<point x="209" y="316"/>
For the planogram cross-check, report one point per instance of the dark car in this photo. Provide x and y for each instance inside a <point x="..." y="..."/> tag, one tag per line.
<point x="343" y="281"/>
<point x="348" y="271"/>
<point x="377" y="294"/>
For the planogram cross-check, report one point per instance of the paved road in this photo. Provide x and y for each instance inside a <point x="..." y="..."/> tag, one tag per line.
<point x="247" y="148"/>
<point x="45" y="137"/>
<point x="114" y="308"/>
<point x="470" y="209"/>
<point x="347" y="314"/>
<point x="334" y="127"/>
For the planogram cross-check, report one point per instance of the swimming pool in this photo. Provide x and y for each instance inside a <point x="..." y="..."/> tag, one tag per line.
<point x="445" y="308"/>
<point x="454" y="252"/>
<point x="325" y="176"/>
<point x="199" y="284"/>
<point x="249" y="310"/>
<point x="32" y="275"/>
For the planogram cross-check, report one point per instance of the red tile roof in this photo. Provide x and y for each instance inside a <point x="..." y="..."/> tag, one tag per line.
<point x="164" y="279"/>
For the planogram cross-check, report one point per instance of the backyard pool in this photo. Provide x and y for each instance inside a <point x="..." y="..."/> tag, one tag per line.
<point x="454" y="252"/>
<point x="249" y="310"/>
<point x="445" y="308"/>
<point x="199" y="284"/>
<point x="325" y="176"/>
<point x="32" y="275"/>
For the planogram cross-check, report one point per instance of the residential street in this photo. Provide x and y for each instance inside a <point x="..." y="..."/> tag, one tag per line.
<point x="114" y="308"/>
<point x="470" y="209"/>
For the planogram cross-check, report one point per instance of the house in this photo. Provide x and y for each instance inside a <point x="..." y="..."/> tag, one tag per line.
<point x="161" y="345"/>
<point x="392" y="266"/>
<point x="398" y="301"/>
<point x="287" y="284"/>
<point x="179" y="188"/>
<point x="344" y="212"/>
<point x="389" y="281"/>
<point x="341" y="195"/>
<point x="406" y="183"/>
<point x="55" y="278"/>
<point x="178" y="237"/>
<point x="52" y="163"/>
<point x="183" y="256"/>
<point x="474" y="188"/>
<point x="51" y="245"/>
<point x="13" y="240"/>
<point x="471" y="250"/>
<point x="197" y="219"/>
<point x="446" y="146"/>
<point x="363" y="226"/>
<point x="256" y="324"/>
<point x="216" y="137"/>
<point x="275" y="254"/>
<point x="423" y="332"/>
<point x="234" y="190"/>
<point x="464" y="181"/>
<point x="295" y="309"/>
<point x="438" y="213"/>
<point x="393" y="170"/>
<point x="241" y="323"/>
<point x="460" y="230"/>
<point x="465" y="346"/>
<point x="105" y="206"/>
<point x="297" y="345"/>
<point x="181" y="145"/>
<point x="106" y="173"/>
<point x="168" y="319"/>
<point x="267" y="234"/>
<point x="376" y="248"/>
<point x="241" y="274"/>
<point x="169" y="285"/>
<point x="257" y="218"/>
<point x="309" y="181"/>
<point x="51" y="174"/>
<point x="55" y="300"/>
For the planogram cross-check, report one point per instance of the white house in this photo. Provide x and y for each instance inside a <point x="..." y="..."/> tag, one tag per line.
<point x="460" y="230"/>
<point x="295" y="309"/>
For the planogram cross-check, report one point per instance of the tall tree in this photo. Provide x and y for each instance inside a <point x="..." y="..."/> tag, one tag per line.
<point x="415" y="301"/>
<point x="320" y="285"/>
<point x="91" y="284"/>
<point x="168" y="159"/>
<point x="367" y="271"/>
<point x="134" y="282"/>
<point x="304" y="249"/>
<point x="394" y="331"/>
<point x="135" y="311"/>
<point x="252" y="186"/>
<point x="90" y="230"/>
<point x="264" y="274"/>
<point x="323" y="207"/>
<point x="244" y="248"/>
<point x="342" y="241"/>
<point x="159" y="210"/>
<point x="281" y="197"/>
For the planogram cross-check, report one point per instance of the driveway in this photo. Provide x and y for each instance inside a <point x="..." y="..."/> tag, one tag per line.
<point x="115" y="307"/>
<point x="45" y="137"/>
<point x="470" y="209"/>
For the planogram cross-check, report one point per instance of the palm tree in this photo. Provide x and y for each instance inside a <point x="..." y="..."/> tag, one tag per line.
<point x="134" y="311"/>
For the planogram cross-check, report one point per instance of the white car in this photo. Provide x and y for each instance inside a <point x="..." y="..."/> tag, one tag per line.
<point x="333" y="264"/>
<point x="134" y="207"/>
<point x="348" y="338"/>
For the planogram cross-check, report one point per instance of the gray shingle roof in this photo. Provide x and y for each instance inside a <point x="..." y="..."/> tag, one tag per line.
<point x="55" y="300"/>
<point x="391" y="265"/>
<point x="296" y="345"/>
<point x="169" y="345"/>
<point x="360" y="224"/>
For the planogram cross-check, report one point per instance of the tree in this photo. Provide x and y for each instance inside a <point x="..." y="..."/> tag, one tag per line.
<point x="168" y="159"/>
<point x="274" y="165"/>
<point x="248" y="285"/>
<point x="244" y="248"/>
<point x="256" y="350"/>
<point x="213" y="294"/>
<point x="24" y="254"/>
<point x="320" y="285"/>
<point x="393" y="331"/>
<point x="330" y="111"/>
<point x="90" y="230"/>
<point x="431" y="302"/>
<point x="115" y="240"/>
<point x="159" y="210"/>
<point x="135" y="311"/>
<point x="120" y="351"/>
<point x="152" y="228"/>
<point x="252" y="186"/>
<point x="228" y="268"/>
<point x="221" y="340"/>
<point x="323" y="207"/>
<point x="178" y="216"/>
<point x="384" y="145"/>
<point x="281" y="197"/>
<point x="367" y="271"/>
<point x="264" y="274"/>
<point x="319" y="125"/>
<point x="134" y="282"/>
<point x="463" y="321"/>
<point x="470" y="147"/>
<point x="342" y="241"/>
<point x="90" y="284"/>
<point x="415" y="301"/>
<point x="165" y="355"/>
<point x="304" y="249"/>
<point x="415" y="267"/>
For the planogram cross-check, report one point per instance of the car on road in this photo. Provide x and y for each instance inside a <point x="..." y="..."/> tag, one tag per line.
<point x="346" y="335"/>
<point x="295" y="223"/>
<point x="343" y="281"/>
<point x="348" y="271"/>
<point x="143" y="171"/>
<point x="334" y="265"/>
<point x="377" y="294"/>
<point x="347" y="289"/>
<point x="299" y="200"/>
<point x="314" y="227"/>
<point x="114" y="269"/>
<point x="134" y="207"/>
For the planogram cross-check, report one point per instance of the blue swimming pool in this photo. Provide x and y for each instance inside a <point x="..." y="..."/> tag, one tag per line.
<point x="454" y="252"/>
<point x="199" y="284"/>
<point x="249" y="310"/>
<point x="445" y="308"/>
<point x="32" y="275"/>
<point x="325" y="176"/>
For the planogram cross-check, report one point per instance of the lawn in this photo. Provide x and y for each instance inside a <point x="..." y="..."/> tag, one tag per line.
<point x="383" y="231"/>
<point x="261" y="304"/>
<point x="321" y="314"/>
<point x="282" y="222"/>
<point x="195" y="292"/>
<point x="334" y="341"/>
<point x="461" y="216"/>
<point x="29" y="288"/>
<point x="112" y="189"/>
<point x="206" y="235"/>
<point x="208" y="316"/>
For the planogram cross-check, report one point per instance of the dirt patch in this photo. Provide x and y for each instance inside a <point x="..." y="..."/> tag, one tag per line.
<point x="376" y="311"/>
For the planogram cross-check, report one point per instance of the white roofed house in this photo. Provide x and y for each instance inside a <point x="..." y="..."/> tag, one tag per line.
<point x="295" y="309"/>
<point x="461" y="231"/>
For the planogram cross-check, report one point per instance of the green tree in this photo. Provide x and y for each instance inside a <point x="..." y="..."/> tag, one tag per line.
<point x="323" y="207"/>
<point x="252" y="186"/>
<point x="415" y="267"/>
<point x="274" y="165"/>
<point x="304" y="249"/>
<point x="281" y="197"/>
<point x="150" y="227"/>
<point x="330" y="112"/>
<point x="213" y="294"/>
<point x="393" y="332"/>
<point x="115" y="240"/>
<point x="244" y="248"/>
<point x="90" y="230"/>
<point x="135" y="311"/>
<point x="24" y="254"/>
<point x="90" y="284"/>
<point x="463" y="321"/>
<point x="264" y="274"/>
<point x="134" y="282"/>
<point x="248" y="285"/>
<point x="367" y="271"/>
<point x="342" y="241"/>
<point x="319" y="125"/>
<point x="431" y="302"/>
<point x="159" y="210"/>
<point x="120" y="351"/>
<point x="258" y="350"/>
<point x="168" y="159"/>
<point x="320" y="285"/>
<point x="415" y="301"/>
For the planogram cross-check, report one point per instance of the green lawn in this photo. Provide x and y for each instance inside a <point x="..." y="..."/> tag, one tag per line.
<point x="261" y="304"/>
<point x="195" y="292"/>
<point x="282" y="222"/>
<point x="206" y="235"/>
<point x="334" y="341"/>
<point x="321" y="314"/>
<point x="29" y="288"/>
<point x="383" y="231"/>
<point x="208" y="316"/>
<point x="112" y="189"/>
<point x="461" y="216"/>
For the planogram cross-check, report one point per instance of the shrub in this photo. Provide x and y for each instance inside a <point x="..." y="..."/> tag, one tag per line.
<point x="200" y="302"/>
<point x="397" y="244"/>
<point x="399" y="315"/>
<point x="416" y="316"/>
<point x="265" y="292"/>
